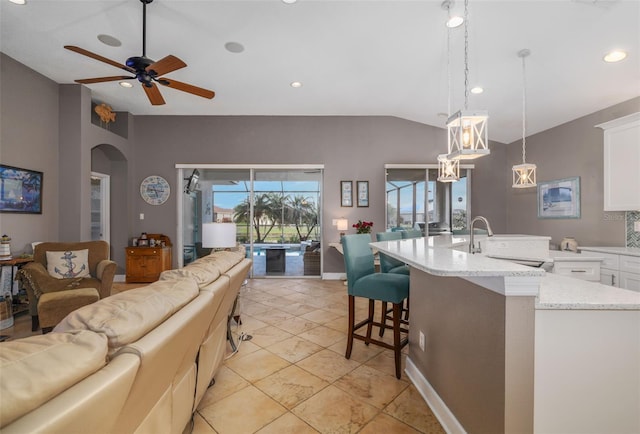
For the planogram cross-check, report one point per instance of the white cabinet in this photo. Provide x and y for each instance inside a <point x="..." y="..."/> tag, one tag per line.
<point x="585" y="270"/>
<point x="621" y="162"/>
<point x="618" y="270"/>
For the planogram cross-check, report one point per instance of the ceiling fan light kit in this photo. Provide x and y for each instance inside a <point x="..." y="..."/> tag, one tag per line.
<point x="147" y="71"/>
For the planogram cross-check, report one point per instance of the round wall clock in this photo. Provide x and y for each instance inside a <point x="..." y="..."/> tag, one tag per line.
<point x="155" y="190"/>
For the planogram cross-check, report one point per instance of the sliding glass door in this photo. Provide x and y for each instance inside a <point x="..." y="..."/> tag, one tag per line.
<point x="276" y="211"/>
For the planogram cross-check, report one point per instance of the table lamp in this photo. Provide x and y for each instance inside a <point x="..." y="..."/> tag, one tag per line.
<point x="218" y="235"/>
<point x="342" y="225"/>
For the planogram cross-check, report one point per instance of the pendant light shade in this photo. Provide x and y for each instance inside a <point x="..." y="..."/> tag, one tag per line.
<point x="467" y="129"/>
<point x="448" y="170"/>
<point x="524" y="175"/>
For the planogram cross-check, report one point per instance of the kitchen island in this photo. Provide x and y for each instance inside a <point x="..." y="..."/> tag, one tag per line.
<point x="510" y="348"/>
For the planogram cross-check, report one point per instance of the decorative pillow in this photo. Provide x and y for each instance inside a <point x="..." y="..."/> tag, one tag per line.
<point x="72" y="263"/>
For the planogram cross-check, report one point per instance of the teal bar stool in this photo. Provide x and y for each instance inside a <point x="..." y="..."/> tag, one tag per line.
<point x="363" y="281"/>
<point x="391" y="265"/>
<point x="411" y="233"/>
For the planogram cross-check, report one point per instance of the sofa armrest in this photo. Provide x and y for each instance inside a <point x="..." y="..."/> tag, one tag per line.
<point x="105" y="272"/>
<point x="36" y="280"/>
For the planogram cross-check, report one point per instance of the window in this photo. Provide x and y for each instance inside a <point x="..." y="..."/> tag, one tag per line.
<point x="416" y="200"/>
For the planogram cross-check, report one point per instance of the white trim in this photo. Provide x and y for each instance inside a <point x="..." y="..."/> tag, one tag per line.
<point x="619" y="122"/>
<point x="120" y="278"/>
<point x="105" y="205"/>
<point x="436" y="404"/>
<point x="422" y="166"/>
<point x="250" y="166"/>
<point x="334" y="276"/>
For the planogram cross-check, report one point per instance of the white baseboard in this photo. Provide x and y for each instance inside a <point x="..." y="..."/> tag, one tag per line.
<point x="437" y="405"/>
<point x="334" y="276"/>
<point x="120" y="278"/>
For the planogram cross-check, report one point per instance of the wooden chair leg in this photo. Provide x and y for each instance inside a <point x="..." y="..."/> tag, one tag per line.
<point x="383" y="318"/>
<point x="372" y="308"/>
<point x="35" y="323"/>
<point x="351" y="324"/>
<point x="397" y="312"/>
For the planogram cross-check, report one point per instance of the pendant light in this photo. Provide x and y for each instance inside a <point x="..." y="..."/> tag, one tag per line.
<point x="468" y="129"/>
<point x="448" y="170"/>
<point x="524" y="175"/>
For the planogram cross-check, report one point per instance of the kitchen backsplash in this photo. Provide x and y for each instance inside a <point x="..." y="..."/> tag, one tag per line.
<point x="633" y="237"/>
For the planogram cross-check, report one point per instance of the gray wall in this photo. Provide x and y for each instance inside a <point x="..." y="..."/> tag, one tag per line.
<point x="571" y="149"/>
<point x="29" y="139"/>
<point x="351" y="148"/>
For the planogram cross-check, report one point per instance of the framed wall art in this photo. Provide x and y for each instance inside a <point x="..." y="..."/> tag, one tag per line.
<point x="363" y="193"/>
<point x="20" y="190"/>
<point x="559" y="199"/>
<point x="346" y="193"/>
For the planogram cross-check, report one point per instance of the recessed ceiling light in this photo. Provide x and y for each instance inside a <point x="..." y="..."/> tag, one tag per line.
<point x="18" y="2"/>
<point x="477" y="90"/>
<point x="455" y="21"/>
<point x="289" y="2"/>
<point x="615" y="56"/>
<point x="234" y="47"/>
<point x="125" y="84"/>
<point x="109" y="40"/>
<point x="296" y="84"/>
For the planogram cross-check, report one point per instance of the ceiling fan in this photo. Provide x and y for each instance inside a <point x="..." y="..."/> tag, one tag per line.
<point x="147" y="71"/>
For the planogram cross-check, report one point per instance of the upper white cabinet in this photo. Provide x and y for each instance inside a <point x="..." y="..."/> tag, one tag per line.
<point x="621" y="163"/>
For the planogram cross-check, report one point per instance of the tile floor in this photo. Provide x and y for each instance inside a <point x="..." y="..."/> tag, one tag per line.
<point x="292" y="376"/>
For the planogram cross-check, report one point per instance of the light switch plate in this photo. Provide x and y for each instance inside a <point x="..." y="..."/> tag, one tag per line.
<point x="636" y="226"/>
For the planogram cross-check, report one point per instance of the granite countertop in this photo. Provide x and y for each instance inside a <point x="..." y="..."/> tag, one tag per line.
<point x="631" y="251"/>
<point x="438" y="256"/>
<point x="568" y="293"/>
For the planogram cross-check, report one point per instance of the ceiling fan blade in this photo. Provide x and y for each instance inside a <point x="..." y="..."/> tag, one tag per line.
<point x="154" y="95"/>
<point x="103" y="79"/>
<point x="166" y="65"/>
<point x="178" y="85"/>
<point x="99" y="57"/>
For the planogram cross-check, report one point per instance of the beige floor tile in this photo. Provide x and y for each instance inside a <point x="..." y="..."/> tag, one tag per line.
<point x="256" y="365"/>
<point x="275" y="315"/>
<point x="360" y="352"/>
<point x="298" y="309"/>
<point x="410" y="408"/>
<point x="291" y="386"/>
<point x="322" y="335"/>
<point x="287" y="424"/>
<point x="385" y="362"/>
<point x="201" y="426"/>
<point x="371" y="386"/>
<point x="252" y="308"/>
<point x="250" y="323"/>
<point x="340" y="324"/>
<point x="321" y="316"/>
<point x="269" y="335"/>
<point x="296" y="325"/>
<point x="328" y="365"/>
<point x="334" y="411"/>
<point x="294" y="349"/>
<point x="383" y="423"/>
<point x="244" y="347"/>
<point x="245" y="411"/>
<point x="227" y="382"/>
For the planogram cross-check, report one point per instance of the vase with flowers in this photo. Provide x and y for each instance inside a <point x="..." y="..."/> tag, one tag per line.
<point x="363" y="227"/>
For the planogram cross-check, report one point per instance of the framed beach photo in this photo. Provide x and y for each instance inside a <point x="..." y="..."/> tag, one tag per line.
<point x="346" y="193"/>
<point x="20" y="190"/>
<point x="363" y="193"/>
<point x="559" y="199"/>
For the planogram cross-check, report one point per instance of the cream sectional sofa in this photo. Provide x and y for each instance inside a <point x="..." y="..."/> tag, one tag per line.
<point x="136" y="362"/>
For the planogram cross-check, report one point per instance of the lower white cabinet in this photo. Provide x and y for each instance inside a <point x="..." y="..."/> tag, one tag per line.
<point x="618" y="270"/>
<point x="585" y="270"/>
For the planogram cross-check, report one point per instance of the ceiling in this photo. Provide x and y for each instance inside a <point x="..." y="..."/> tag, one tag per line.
<point x="361" y="57"/>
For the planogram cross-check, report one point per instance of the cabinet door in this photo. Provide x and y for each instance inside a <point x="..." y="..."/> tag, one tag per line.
<point x="630" y="281"/>
<point x="609" y="277"/>
<point x="621" y="162"/>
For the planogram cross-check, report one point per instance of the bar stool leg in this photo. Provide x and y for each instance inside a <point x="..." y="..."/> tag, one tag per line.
<point x="397" y="312"/>
<point x="351" y="324"/>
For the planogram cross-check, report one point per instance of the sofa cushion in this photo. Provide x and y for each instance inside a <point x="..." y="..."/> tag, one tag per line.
<point x="126" y="317"/>
<point x="224" y="260"/>
<point x="202" y="272"/>
<point x="68" y="264"/>
<point x="35" y="369"/>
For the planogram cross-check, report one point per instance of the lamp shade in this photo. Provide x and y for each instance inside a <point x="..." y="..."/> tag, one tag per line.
<point x="448" y="170"/>
<point x="468" y="135"/>
<point x="218" y="235"/>
<point x="342" y="224"/>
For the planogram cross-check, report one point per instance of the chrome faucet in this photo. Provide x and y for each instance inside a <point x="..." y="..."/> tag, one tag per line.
<point x="472" y="248"/>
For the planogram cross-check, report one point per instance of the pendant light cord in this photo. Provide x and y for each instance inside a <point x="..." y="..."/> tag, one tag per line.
<point x="466" y="54"/>
<point x="524" y="109"/>
<point x="448" y="64"/>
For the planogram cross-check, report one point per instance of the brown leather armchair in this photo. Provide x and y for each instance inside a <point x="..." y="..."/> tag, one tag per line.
<point x="36" y="280"/>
